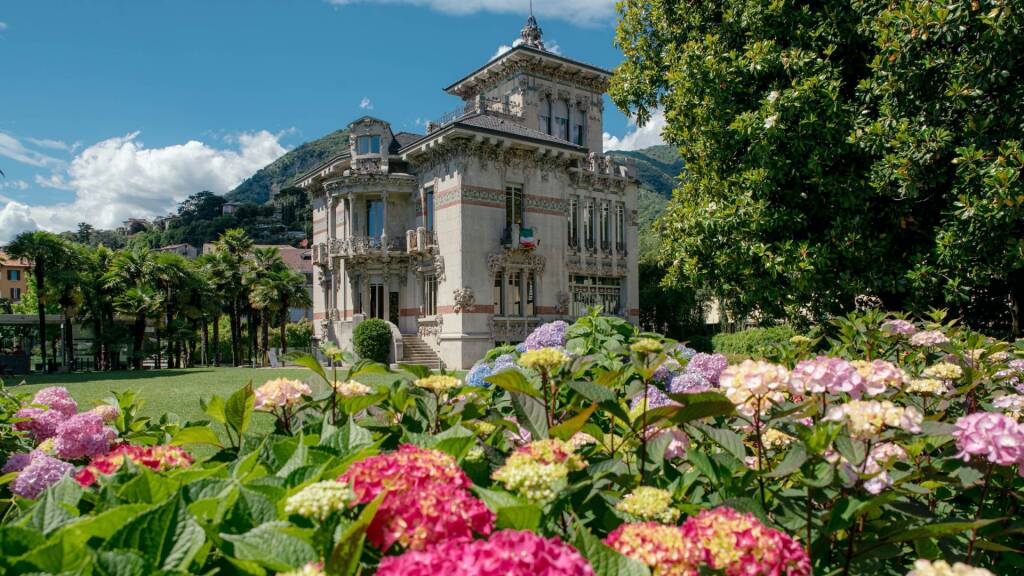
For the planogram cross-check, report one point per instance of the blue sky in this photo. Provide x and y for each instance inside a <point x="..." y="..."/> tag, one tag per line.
<point x="118" y="108"/>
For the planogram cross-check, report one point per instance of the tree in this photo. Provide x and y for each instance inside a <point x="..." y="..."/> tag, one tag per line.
<point x="42" y="250"/>
<point x="264" y="291"/>
<point x="835" y="149"/>
<point x="293" y="294"/>
<point x="129" y="275"/>
<point x="234" y="245"/>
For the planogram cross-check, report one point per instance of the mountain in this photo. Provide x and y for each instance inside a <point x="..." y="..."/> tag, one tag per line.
<point x="657" y="167"/>
<point x="269" y="180"/>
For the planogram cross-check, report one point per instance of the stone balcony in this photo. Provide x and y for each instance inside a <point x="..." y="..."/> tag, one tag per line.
<point x="356" y="246"/>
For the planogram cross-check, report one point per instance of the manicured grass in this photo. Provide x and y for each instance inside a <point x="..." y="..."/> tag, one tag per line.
<point x="172" y="391"/>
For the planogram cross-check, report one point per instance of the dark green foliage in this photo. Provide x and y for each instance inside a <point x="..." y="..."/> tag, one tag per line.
<point x="752" y="342"/>
<point x="372" y="340"/>
<point x="672" y="310"/>
<point x="299" y="334"/>
<point x="657" y="168"/>
<point x="280" y="173"/>
<point x="835" y="149"/>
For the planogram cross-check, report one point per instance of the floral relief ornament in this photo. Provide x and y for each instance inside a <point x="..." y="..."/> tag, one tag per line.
<point x="464" y="300"/>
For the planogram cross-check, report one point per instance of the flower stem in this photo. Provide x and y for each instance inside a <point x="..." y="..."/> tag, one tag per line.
<point x="643" y="438"/>
<point x="548" y="409"/>
<point x="759" y="446"/>
<point x="977" y="515"/>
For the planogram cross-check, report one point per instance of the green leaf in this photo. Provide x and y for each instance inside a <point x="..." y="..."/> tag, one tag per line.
<point x="107" y="522"/>
<point x="147" y="487"/>
<point x="297" y="458"/>
<point x="310" y="362"/>
<point x="349" y="549"/>
<point x="514" y="381"/>
<point x="525" y="517"/>
<point x="603" y="559"/>
<point x="276" y="546"/>
<point x="939" y="529"/>
<point x="238" y="410"/>
<point x="356" y="404"/>
<point x="852" y="450"/>
<point x="700" y="405"/>
<point x="63" y="553"/>
<point x="792" y="462"/>
<point x="730" y="441"/>
<point x="349" y="438"/>
<point x="16" y="540"/>
<point x="167" y="534"/>
<point x="530" y="413"/>
<point x="497" y="499"/>
<point x="593" y="392"/>
<point x="123" y="563"/>
<point x="215" y="409"/>
<point x="416" y="371"/>
<point x="196" y="435"/>
<point x="567" y="429"/>
<point x="57" y="506"/>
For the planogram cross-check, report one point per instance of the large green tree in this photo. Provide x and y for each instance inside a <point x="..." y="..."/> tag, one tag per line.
<point x="45" y="252"/>
<point x="838" y="148"/>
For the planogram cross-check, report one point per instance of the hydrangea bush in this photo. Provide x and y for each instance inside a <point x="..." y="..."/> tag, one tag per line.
<point x="874" y="445"/>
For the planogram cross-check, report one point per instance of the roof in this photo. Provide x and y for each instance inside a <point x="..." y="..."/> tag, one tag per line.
<point x="484" y="122"/>
<point x="13" y="262"/>
<point x="406" y="138"/>
<point x="296" y="259"/>
<point x="529" y="50"/>
<point x="175" y="246"/>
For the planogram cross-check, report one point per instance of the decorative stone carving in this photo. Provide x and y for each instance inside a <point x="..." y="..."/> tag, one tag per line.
<point x="463" y="299"/>
<point x="518" y="259"/>
<point x="564" y="298"/>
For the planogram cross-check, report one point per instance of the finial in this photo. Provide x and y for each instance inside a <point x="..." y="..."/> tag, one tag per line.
<point x="531" y="33"/>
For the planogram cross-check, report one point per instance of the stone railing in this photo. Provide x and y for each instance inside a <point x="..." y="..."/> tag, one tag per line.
<point x="512" y="328"/>
<point x="365" y="246"/>
<point x="420" y="240"/>
<point x="601" y="165"/>
<point x="479" y="104"/>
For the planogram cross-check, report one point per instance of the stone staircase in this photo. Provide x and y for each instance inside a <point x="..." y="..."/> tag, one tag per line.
<point x="416" y="351"/>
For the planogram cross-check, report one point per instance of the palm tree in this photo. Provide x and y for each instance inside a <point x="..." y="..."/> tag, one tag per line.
<point x="98" y="300"/>
<point x="140" y="303"/>
<point x="293" y="294"/>
<point x="171" y="274"/>
<point x="261" y="266"/>
<point x="43" y="250"/>
<point x="266" y="301"/>
<point x="65" y="288"/>
<point x="234" y="245"/>
<point x="214" y="269"/>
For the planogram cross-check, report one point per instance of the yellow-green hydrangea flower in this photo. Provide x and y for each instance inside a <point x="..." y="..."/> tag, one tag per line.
<point x="928" y="386"/>
<point x="320" y="500"/>
<point x="647" y="503"/>
<point x="537" y="471"/>
<point x="647" y="346"/>
<point x="439" y="383"/>
<point x="943" y="371"/>
<point x="352" y="388"/>
<point x="546" y="359"/>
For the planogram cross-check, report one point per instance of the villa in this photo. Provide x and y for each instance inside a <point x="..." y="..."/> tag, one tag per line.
<point x="506" y="214"/>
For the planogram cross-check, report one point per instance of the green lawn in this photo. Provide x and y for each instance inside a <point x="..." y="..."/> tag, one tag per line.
<point x="171" y="391"/>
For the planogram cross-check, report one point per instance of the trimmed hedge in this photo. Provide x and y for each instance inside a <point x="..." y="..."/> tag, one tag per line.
<point x="751" y="342"/>
<point x="372" y="340"/>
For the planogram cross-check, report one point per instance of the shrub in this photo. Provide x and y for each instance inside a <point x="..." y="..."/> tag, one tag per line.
<point x="752" y="342"/>
<point x="299" y="334"/>
<point x="372" y="340"/>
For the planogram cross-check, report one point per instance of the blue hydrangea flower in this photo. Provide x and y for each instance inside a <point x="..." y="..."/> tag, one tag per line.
<point x="477" y="374"/>
<point x="689" y="383"/>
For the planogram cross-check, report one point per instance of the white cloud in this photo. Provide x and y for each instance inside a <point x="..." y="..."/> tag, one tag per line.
<point x="12" y="148"/>
<point x="15" y="218"/>
<point x="585" y="12"/>
<point x="3" y="26"/>
<point x="366" y="103"/>
<point x="551" y="46"/>
<point x="13" y="185"/>
<point x="638" y="137"/>
<point x="54" y="144"/>
<point x="52" y="181"/>
<point x="120" y="178"/>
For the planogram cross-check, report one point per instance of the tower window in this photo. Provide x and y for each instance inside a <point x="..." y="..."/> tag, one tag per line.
<point x="514" y="204"/>
<point x="368" y="144"/>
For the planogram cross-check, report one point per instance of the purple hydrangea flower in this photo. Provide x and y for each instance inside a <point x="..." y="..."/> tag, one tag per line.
<point x="42" y="422"/>
<point x="689" y="383"/>
<point x="550" y="335"/>
<point x="83" y="435"/>
<point x="667" y="371"/>
<point x="57" y="398"/>
<point x="683" y="351"/>
<point x="41" y="472"/>
<point x="710" y="366"/>
<point x="18" y="461"/>
<point x="655" y="399"/>
<point x="897" y="326"/>
<point x="504" y="362"/>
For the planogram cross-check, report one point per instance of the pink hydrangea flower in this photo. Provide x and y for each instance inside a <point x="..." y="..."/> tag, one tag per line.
<point x="158" y="458"/>
<point x="42" y="423"/>
<point x="41" y="472"/>
<point x="897" y="326"/>
<point x="929" y="338"/>
<point x="408" y="468"/>
<point x="740" y="545"/>
<point x="83" y="435"/>
<point x="710" y="366"/>
<point x="17" y="461"/>
<point x="505" y="553"/>
<point x="659" y="546"/>
<point x="279" y="393"/>
<point x="825" y="375"/>
<point x="433" y="513"/>
<point x="995" y="437"/>
<point x="689" y="383"/>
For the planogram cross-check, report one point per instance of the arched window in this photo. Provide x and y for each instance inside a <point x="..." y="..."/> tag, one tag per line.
<point x="562" y="119"/>
<point x="545" y="115"/>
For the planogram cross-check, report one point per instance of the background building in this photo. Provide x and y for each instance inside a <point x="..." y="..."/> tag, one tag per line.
<point x="13" y="282"/>
<point x="504" y="215"/>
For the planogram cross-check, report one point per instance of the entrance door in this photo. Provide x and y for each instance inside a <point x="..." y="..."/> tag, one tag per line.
<point x="393" y="308"/>
<point x="377" y="301"/>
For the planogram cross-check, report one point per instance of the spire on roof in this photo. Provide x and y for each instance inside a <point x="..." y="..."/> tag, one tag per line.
<point x="531" y="33"/>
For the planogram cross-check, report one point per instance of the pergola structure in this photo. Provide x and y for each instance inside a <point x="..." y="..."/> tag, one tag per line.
<point x="20" y="363"/>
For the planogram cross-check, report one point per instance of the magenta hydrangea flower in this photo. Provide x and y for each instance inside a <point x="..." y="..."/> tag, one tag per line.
<point x="550" y="335"/>
<point x="824" y="375"/>
<point x="42" y="422"/>
<point x="41" y="472"/>
<point x="83" y="435"/>
<point x="740" y="545"/>
<point x="995" y="437"/>
<point x="710" y="366"/>
<point x="689" y="383"/>
<point x="897" y="326"/>
<point x="505" y="553"/>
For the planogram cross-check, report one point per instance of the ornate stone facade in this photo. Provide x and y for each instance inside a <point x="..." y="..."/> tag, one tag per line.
<point x="504" y="215"/>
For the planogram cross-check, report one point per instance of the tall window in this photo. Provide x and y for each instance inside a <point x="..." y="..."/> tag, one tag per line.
<point x="620" y="229"/>
<point x="531" y="295"/>
<point x="544" y="117"/>
<point x="428" y="207"/>
<point x="430" y="295"/>
<point x="499" y="294"/>
<point x="368" y="144"/>
<point x="15" y="294"/>
<point x="578" y="133"/>
<point x="574" y="223"/>
<point x="606" y="233"/>
<point x="590" y="291"/>
<point x="588" y="225"/>
<point x="513" y="204"/>
<point x="374" y="218"/>
<point x="14" y="275"/>
<point x="377" y="301"/>
<point x="515" y="286"/>
<point x="562" y="119"/>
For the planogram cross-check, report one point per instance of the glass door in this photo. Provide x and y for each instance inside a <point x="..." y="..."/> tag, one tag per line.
<point x="377" y="301"/>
